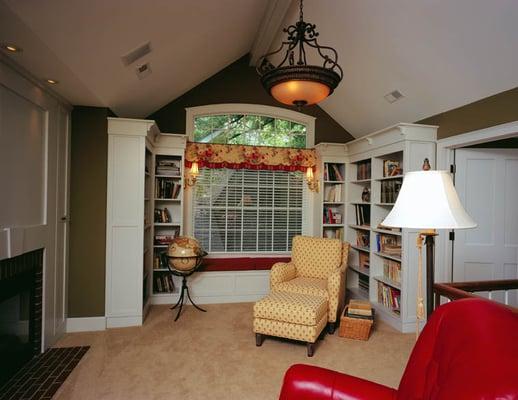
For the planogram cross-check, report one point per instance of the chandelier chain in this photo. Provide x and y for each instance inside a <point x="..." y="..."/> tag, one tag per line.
<point x="301" y="14"/>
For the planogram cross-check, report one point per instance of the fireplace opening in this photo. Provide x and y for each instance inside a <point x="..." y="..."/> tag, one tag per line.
<point x="20" y="311"/>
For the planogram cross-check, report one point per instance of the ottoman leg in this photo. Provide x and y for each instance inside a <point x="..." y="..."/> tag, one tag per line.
<point x="311" y="348"/>
<point x="331" y="326"/>
<point x="259" y="337"/>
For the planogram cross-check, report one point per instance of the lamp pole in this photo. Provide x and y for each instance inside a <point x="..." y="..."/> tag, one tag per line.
<point x="430" y="262"/>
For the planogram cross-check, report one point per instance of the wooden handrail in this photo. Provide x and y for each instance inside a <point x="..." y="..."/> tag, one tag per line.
<point x="462" y="290"/>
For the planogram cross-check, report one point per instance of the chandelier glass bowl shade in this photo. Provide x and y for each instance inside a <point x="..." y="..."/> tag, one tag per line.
<point x="293" y="81"/>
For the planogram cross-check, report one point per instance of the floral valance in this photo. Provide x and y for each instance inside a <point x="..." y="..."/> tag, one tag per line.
<point x="249" y="157"/>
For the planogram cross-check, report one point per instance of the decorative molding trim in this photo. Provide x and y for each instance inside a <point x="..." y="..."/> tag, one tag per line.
<point x="88" y="324"/>
<point x="123" y="322"/>
<point x="35" y="81"/>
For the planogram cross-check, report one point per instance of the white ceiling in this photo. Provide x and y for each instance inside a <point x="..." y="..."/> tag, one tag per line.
<point x="440" y="54"/>
<point x="84" y="40"/>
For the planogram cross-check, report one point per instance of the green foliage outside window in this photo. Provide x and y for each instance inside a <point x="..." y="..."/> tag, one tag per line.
<point x="255" y="130"/>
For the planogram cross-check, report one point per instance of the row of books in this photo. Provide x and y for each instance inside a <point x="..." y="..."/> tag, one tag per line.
<point x="392" y="168"/>
<point x="390" y="190"/>
<point x="163" y="215"/>
<point x="164" y="283"/>
<point x="388" y="244"/>
<point x="389" y="297"/>
<point x="332" y="172"/>
<point x="333" y="193"/>
<point x="364" y="260"/>
<point x="167" y="188"/>
<point x="363" y="282"/>
<point x="168" y="166"/>
<point x="166" y="239"/>
<point x="331" y="216"/>
<point x="362" y="238"/>
<point x="392" y="270"/>
<point x="333" y="233"/>
<point x="159" y="262"/>
<point x="363" y="170"/>
<point x="363" y="214"/>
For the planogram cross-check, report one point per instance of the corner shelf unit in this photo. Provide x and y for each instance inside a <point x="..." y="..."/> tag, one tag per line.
<point x="133" y="149"/>
<point x="331" y="171"/>
<point x="383" y="261"/>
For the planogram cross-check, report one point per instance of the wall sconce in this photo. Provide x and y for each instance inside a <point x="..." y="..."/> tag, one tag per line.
<point x="313" y="183"/>
<point x="190" y="180"/>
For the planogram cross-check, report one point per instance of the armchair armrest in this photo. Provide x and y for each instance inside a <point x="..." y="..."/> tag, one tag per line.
<point x="336" y="292"/>
<point x="282" y="272"/>
<point x="306" y="382"/>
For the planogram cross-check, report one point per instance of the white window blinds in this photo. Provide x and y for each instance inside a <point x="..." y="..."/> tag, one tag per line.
<point x="246" y="210"/>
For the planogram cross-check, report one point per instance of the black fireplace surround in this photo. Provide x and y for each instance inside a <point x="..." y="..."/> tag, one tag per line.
<point x="21" y="280"/>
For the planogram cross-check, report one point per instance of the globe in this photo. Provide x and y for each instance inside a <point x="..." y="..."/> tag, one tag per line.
<point x="185" y="253"/>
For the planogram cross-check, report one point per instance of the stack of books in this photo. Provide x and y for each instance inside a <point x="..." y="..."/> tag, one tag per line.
<point x="359" y="309"/>
<point x="168" y="167"/>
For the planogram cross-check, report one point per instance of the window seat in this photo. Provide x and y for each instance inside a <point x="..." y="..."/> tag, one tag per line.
<point x="240" y="263"/>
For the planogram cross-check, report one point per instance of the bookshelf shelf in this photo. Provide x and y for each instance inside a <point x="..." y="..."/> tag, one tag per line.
<point x="360" y="248"/>
<point x="168" y="176"/>
<point x="334" y="182"/>
<point x="360" y="270"/>
<point x="387" y="232"/>
<point x="389" y="282"/>
<point x="387" y="256"/>
<point x="359" y="293"/>
<point x="360" y="227"/>
<point x="167" y="224"/>
<point x="361" y="181"/>
<point x="334" y="202"/>
<point x="375" y="173"/>
<point x="386" y="178"/>
<point x="333" y="225"/>
<point x="173" y="200"/>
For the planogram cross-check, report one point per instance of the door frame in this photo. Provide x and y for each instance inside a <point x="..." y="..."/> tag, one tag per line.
<point x="446" y="157"/>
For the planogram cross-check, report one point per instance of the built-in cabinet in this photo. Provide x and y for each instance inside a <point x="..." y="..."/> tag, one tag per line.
<point x="145" y="177"/>
<point x="383" y="261"/>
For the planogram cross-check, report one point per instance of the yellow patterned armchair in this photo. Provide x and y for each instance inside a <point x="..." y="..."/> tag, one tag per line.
<point x="317" y="267"/>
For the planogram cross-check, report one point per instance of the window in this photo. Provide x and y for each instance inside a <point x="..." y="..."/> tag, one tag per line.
<point x="247" y="210"/>
<point x="249" y="129"/>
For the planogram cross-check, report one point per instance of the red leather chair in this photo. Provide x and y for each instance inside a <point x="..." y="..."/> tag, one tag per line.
<point x="468" y="350"/>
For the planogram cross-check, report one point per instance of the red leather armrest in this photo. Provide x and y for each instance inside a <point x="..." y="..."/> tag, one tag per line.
<point x="306" y="382"/>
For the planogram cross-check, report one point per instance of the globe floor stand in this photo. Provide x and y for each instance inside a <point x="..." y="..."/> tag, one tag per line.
<point x="179" y="303"/>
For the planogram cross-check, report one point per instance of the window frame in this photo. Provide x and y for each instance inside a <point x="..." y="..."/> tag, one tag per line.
<point x="254" y="109"/>
<point x="308" y="197"/>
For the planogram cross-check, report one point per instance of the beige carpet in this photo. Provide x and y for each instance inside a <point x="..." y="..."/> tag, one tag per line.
<point x="213" y="355"/>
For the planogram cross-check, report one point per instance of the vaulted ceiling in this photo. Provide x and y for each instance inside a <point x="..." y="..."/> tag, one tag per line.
<point x="440" y="54"/>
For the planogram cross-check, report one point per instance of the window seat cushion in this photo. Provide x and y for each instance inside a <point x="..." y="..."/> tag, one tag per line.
<point x="241" y="263"/>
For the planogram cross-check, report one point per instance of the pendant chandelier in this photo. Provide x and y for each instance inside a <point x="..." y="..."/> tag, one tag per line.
<point x="293" y="81"/>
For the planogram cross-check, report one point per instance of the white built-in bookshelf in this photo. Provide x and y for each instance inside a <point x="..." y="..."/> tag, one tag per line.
<point x="136" y="188"/>
<point x="383" y="261"/>
<point x="331" y="174"/>
<point x="167" y="216"/>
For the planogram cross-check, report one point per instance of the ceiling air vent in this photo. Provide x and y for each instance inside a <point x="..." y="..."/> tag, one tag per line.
<point x="136" y="54"/>
<point x="393" y="96"/>
<point x="143" y="71"/>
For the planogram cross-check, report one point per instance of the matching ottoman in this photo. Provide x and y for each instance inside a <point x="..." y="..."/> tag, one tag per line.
<point x="292" y="316"/>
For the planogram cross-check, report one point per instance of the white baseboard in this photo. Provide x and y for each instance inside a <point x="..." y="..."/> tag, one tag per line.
<point x="89" y="324"/>
<point x="123" y="322"/>
<point x="221" y="287"/>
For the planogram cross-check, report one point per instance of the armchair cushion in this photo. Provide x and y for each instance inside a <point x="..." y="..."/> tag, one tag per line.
<point x="316" y="257"/>
<point x="312" y="286"/>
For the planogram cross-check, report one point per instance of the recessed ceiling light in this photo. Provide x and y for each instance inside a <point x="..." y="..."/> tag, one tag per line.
<point x="11" y="48"/>
<point x="52" y="81"/>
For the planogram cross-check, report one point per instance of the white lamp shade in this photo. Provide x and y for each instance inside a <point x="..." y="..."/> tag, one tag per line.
<point x="428" y="200"/>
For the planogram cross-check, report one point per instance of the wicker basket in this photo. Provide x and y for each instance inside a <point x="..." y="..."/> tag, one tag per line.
<point x="354" y="328"/>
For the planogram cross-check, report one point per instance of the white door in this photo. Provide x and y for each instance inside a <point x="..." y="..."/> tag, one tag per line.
<point x="487" y="183"/>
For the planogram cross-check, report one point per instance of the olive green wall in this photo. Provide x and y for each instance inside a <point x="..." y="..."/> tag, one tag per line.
<point x="89" y="154"/>
<point x="239" y="83"/>
<point x="490" y="111"/>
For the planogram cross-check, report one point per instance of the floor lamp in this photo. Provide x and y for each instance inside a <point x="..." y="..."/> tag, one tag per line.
<point x="427" y="201"/>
